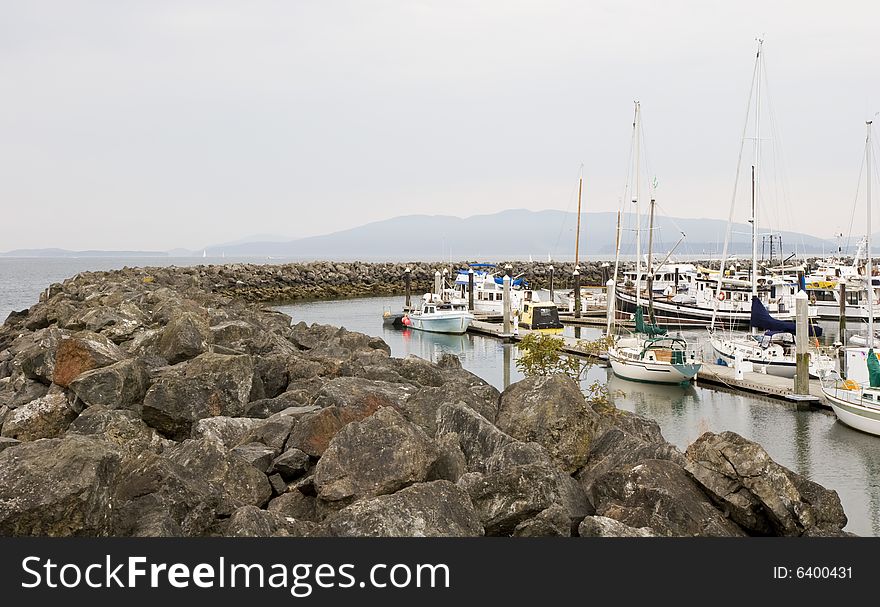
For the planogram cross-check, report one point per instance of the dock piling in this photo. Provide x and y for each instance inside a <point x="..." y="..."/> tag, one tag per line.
<point x="577" y="291"/>
<point x="506" y="307"/>
<point x="802" y="356"/>
<point x="551" y="282"/>
<point x="471" y="289"/>
<point x="437" y="283"/>
<point x="407" y="282"/>
<point x="842" y="327"/>
<point x="610" y="294"/>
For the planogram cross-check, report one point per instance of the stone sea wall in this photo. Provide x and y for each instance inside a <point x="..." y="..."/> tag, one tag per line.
<point x="160" y="402"/>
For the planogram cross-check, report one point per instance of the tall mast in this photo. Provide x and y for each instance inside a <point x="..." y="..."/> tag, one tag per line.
<point x="650" y="269"/>
<point x="868" y="268"/>
<point x="577" y="237"/>
<point x="636" y="126"/>
<point x="754" y="219"/>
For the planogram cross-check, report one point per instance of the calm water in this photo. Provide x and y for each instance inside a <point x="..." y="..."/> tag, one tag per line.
<point x="811" y="443"/>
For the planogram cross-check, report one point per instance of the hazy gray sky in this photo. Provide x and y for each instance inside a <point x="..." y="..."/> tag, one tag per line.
<point x="159" y="124"/>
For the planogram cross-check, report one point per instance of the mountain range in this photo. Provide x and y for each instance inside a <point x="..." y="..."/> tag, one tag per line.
<point x="513" y="234"/>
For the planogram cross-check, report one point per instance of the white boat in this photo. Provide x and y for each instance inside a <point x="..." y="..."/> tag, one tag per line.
<point x="856" y="400"/>
<point x="489" y="290"/>
<point x="438" y="316"/>
<point x="773" y="354"/>
<point x="648" y="355"/>
<point x="664" y="360"/>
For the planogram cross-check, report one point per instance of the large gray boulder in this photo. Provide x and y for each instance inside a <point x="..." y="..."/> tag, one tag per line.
<point x="58" y="487"/>
<point x="760" y="495"/>
<point x="628" y="439"/>
<point x="119" y="427"/>
<point x="250" y="521"/>
<point x="505" y="499"/>
<point x="602" y="526"/>
<point x="478" y="438"/>
<point x="230" y="431"/>
<point x="121" y="385"/>
<point x="659" y="494"/>
<point x="314" y="430"/>
<point x="46" y="417"/>
<point x="236" y="481"/>
<point x="211" y="385"/>
<point x="435" y="509"/>
<point x="295" y="505"/>
<point x="184" y="337"/>
<point x="379" y="455"/>
<point x="550" y="522"/>
<point x="550" y="411"/>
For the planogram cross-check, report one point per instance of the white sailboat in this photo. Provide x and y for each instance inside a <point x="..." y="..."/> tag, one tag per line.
<point x="856" y="400"/>
<point x="774" y="351"/>
<point x="648" y="355"/>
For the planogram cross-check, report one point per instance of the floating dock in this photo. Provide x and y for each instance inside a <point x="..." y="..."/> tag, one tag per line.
<point x="762" y="384"/>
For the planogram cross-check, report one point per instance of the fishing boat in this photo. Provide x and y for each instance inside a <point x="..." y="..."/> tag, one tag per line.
<point x="489" y="289"/>
<point x="649" y="354"/>
<point x="438" y="316"/>
<point x="856" y="399"/>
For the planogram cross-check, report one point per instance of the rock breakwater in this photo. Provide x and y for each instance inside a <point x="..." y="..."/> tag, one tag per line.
<point x="163" y="402"/>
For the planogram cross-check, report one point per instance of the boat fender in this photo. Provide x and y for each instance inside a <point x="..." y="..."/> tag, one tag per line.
<point x="721" y="296"/>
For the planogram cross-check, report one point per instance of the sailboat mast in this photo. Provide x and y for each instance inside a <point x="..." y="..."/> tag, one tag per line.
<point x="755" y="173"/>
<point x="650" y="269"/>
<point x="636" y="126"/>
<point x="868" y="268"/>
<point x="577" y="237"/>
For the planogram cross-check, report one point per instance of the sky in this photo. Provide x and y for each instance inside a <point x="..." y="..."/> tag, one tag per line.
<point x="153" y="125"/>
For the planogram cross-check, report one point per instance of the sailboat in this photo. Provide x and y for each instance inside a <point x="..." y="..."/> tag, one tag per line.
<point x="726" y="296"/>
<point x="649" y="355"/>
<point x="774" y="351"/>
<point x="856" y="400"/>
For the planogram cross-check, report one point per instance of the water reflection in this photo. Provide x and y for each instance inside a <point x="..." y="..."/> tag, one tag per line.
<point x="811" y="443"/>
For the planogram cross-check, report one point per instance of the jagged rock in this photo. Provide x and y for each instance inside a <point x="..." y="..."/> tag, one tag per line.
<point x="238" y="482"/>
<point x="83" y="352"/>
<point x="314" y="431"/>
<point x="119" y="427"/>
<point x="250" y="521"/>
<point x="602" y="526"/>
<point x="28" y="391"/>
<point x="760" y="495"/>
<point x="505" y="499"/>
<point x="273" y="372"/>
<point x="361" y="394"/>
<point x="378" y="455"/>
<point x="435" y="509"/>
<point x="58" y="487"/>
<point x="157" y="497"/>
<point x="45" y="417"/>
<point x="35" y="353"/>
<point x="550" y="522"/>
<point x="659" y="494"/>
<point x="266" y="407"/>
<point x="279" y="485"/>
<point x="628" y="439"/>
<point x="552" y="412"/>
<point x="450" y="464"/>
<point x="122" y="385"/>
<point x="256" y="454"/>
<point x="291" y="464"/>
<point x="212" y="384"/>
<point x="478" y="438"/>
<point x="183" y="338"/>
<point x="6" y="442"/>
<point x="516" y="453"/>
<point x="230" y="431"/>
<point x="294" y="504"/>
<point x="275" y="430"/>
<point x="422" y="407"/>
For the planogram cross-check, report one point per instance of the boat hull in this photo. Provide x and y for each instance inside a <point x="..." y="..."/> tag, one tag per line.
<point x="455" y="325"/>
<point x="853" y="415"/>
<point x="652" y="372"/>
<point x="778" y="368"/>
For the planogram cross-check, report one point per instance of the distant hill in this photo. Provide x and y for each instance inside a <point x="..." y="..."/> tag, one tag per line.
<point x="67" y="253"/>
<point x="512" y="234"/>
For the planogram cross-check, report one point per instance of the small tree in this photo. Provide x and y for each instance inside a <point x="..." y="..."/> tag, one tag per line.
<point x="542" y="354"/>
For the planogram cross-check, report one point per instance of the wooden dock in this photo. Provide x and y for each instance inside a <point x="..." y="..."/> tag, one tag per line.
<point x="710" y="375"/>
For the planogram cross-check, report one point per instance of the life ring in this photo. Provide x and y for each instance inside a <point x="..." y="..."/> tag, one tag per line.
<point x="721" y="296"/>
